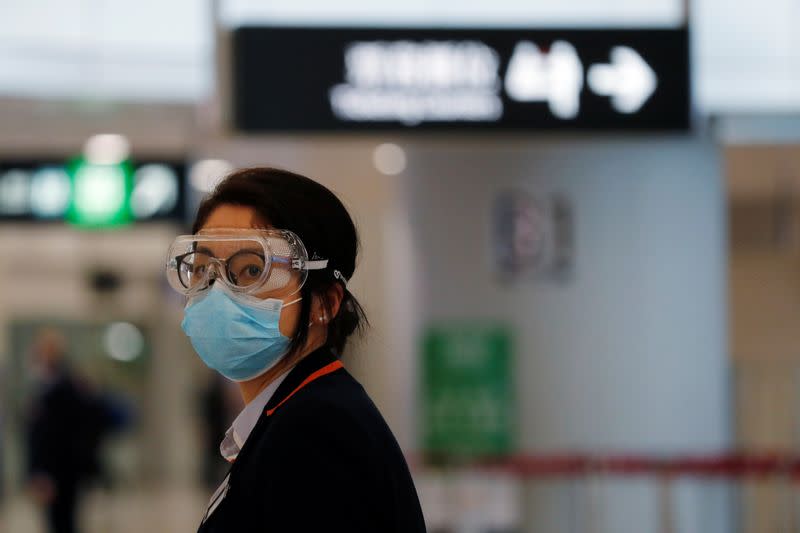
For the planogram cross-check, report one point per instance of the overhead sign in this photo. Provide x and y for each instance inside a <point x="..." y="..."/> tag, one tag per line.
<point x="307" y="79"/>
<point x="90" y="194"/>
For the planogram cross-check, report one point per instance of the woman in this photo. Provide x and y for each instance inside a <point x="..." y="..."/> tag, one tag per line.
<point x="266" y="273"/>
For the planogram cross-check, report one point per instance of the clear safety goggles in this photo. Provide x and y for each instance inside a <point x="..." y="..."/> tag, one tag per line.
<point x="270" y="262"/>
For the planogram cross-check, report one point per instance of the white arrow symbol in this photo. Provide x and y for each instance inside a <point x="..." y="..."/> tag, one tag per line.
<point x="628" y="80"/>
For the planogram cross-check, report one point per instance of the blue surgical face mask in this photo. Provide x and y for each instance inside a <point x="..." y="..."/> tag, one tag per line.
<point x="236" y="335"/>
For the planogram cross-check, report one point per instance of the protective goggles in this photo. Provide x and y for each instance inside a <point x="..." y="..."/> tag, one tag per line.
<point x="250" y="261"/>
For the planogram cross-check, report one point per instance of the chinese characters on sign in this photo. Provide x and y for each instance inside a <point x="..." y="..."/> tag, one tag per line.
<point x="358" y="78"/>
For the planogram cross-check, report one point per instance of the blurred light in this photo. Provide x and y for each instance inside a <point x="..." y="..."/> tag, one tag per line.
<point x="206" y="173"/>
<point x="107" y="149"/>
<point x="451" y="13"/>
<point x="123" y="341"/>
<point x="14" y="192"/>
<point x="50" y="192"/>
<point x="155" y="191"/>
<point x="99" y="191"/>
<point x="389" y="159"/>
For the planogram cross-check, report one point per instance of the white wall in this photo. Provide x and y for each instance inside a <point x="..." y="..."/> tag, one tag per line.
<point x="746" y="55"/>
<point x="630" y="355"/>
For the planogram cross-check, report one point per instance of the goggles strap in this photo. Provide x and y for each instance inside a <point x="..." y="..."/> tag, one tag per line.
<point x="338" y="275"/>
<point x="316" y="265"/>
<point x="322" y="264"/>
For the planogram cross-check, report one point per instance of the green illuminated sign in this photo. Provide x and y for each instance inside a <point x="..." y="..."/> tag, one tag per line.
<point x="101" y="194"/>
<point x="467" y="391"/>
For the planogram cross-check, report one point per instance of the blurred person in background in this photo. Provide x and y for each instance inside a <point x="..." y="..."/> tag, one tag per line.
<point x="65" y="426"/>
<point x="266" y="273"/>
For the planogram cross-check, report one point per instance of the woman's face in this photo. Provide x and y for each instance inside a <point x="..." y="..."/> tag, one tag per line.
<point x="242" y="217"/>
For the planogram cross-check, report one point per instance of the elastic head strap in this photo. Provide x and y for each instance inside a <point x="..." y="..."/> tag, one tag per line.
<point x="338" y="275"/>
<point x="320" y="264"/>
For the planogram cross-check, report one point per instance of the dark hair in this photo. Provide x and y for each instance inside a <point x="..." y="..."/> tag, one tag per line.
<point x="286" y="200"/>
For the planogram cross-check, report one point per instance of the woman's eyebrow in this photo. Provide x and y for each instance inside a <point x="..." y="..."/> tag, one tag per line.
<point x="208" y="251"/>
<point x="258" y="251"/>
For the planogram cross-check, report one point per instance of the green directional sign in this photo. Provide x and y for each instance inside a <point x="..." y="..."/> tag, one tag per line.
<point x="101" y="194"/>
<point x="467" y="391"/>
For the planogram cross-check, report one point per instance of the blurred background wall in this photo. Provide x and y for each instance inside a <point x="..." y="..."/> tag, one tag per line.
<point x="663" y="324"/>
<point x="640" y="314"/>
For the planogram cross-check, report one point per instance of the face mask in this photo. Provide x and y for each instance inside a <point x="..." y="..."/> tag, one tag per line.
<point x="236" y="335"/>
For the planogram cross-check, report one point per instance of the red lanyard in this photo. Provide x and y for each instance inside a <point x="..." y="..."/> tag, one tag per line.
<point x="325" y="370"/>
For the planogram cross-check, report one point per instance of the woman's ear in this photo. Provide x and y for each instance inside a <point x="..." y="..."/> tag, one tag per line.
<point x="327" y="305"/>
<point x="335" y="295"/>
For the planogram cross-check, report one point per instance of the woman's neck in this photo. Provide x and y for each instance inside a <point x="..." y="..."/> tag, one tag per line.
<point x="250" y="389"/>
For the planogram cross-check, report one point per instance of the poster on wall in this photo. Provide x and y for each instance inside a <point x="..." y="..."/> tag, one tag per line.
<point x="533" y="235"/>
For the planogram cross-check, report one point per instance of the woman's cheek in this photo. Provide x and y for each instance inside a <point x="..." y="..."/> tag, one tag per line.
<point x="288" y="321"/>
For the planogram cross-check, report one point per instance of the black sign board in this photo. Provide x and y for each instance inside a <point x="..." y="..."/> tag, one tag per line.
<point x="40" y="190"/>
<point x="318" y="79"/>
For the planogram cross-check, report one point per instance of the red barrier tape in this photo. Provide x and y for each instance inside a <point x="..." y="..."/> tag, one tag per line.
<point x="730" y="465"/>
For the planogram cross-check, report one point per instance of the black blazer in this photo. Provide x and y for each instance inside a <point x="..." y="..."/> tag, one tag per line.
<point x="320" y="458"/>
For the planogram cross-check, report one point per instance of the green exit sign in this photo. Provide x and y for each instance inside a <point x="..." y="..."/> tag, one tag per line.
<point x="101" y="194"/>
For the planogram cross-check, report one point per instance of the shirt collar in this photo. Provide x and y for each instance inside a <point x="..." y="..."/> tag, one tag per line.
<point x="241" y="428"/>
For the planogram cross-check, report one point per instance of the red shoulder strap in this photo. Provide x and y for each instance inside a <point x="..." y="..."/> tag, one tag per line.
<point x="325" y="370"/>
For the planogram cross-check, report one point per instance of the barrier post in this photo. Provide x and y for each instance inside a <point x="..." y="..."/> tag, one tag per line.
<point x="665" y="507"/>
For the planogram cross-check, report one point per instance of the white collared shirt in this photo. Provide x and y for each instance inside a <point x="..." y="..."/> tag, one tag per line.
<point x="241" y="428"/>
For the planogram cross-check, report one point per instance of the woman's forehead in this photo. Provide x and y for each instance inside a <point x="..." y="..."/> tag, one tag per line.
<point x="234" y="216"/>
